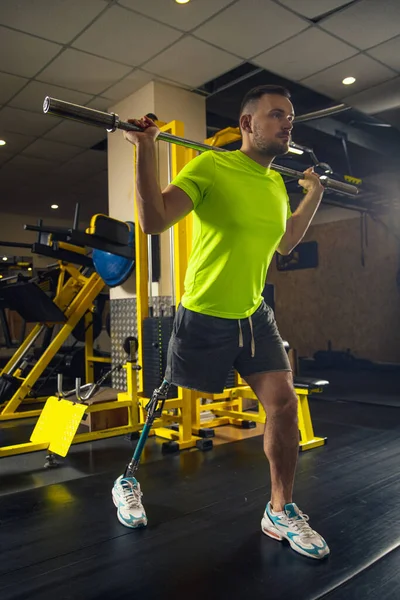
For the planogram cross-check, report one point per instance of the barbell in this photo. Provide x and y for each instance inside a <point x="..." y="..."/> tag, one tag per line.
<point x="112" y="122"/>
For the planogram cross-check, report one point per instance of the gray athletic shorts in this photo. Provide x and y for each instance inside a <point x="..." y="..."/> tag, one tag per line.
<point x="203" y="349"/>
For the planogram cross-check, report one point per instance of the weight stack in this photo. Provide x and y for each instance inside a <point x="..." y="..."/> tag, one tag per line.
<point x="156" y="334"/>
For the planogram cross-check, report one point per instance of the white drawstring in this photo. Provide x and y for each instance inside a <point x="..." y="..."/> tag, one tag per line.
<point x="253" y="343"/>
<point x="240" y="335"/>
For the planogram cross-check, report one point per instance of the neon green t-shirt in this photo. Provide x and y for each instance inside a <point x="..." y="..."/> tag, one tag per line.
<point x="240" y="209"/>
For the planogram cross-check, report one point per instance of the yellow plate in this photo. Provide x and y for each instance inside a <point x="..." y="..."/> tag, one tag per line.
<point x="58" y="424"/>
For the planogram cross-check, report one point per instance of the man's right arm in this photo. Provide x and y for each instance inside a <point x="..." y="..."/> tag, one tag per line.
<point x="157" y="211"/>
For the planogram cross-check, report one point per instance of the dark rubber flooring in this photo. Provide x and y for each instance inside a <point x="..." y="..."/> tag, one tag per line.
<point x="60" y="538"/>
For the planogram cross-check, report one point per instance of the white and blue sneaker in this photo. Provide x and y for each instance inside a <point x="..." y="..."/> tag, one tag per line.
<point x="292" y="525"/>
<point x="127" y="497"/>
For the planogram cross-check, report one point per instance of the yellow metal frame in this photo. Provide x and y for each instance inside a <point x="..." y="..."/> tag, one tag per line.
<point x="224" y="137"/>
<point x="74" y="297"/>
<point x="182" y="405"/>
<point x="228" y="409"/>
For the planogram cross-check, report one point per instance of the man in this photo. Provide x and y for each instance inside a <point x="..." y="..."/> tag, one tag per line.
<point x="241" y="216"/>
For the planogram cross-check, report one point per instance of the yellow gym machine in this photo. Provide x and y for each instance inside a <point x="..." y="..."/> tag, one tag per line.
<point x="112" y="247"/>
<point x="76" y="292"/>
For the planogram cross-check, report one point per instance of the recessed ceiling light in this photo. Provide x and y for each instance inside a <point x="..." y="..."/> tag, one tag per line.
<point x="54" y="206"/>
<point x="348" y="80"/>
<point x="182" y="1"/>
<point x="3" y="142"/>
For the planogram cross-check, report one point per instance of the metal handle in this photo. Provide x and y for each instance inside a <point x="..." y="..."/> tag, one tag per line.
<point x="94" y="388"/>
<point x="78" y="389"/>
<point x="60" y="392"/>
<point x="111" y="122"/>
<point x="73" y="392"/>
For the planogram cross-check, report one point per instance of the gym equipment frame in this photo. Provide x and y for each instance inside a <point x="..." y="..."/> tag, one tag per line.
<point x="227" y="409"/>
<point x="74" y="298"/>
<point x="174" y="420"/>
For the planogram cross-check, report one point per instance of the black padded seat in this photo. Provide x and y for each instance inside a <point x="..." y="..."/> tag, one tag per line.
<point x="308" y="383"/>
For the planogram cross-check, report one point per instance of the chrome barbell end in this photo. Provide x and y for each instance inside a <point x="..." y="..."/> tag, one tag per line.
<point x="46" y="104"/>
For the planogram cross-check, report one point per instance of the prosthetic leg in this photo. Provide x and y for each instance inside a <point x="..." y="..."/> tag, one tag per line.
<point x="126" y="492"/>
<point x="154" y="409"/>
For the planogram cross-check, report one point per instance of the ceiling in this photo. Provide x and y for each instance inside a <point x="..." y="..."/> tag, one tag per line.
<point x="98" y="52"/>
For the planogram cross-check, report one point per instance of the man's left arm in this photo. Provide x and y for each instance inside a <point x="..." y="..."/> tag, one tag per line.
<point x="300" y="220"/>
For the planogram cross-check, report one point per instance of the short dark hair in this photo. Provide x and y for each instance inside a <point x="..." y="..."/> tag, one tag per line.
<point x="258" y="92"/>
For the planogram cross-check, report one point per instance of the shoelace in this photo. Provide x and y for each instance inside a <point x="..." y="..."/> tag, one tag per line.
<point x="300" y="523"/>
<point x="132" y="494"/>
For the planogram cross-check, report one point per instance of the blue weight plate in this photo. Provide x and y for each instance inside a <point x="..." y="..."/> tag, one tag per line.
<point x="113" y="269"/>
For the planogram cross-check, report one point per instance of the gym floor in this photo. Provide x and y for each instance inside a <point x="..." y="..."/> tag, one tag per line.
<point x="60" y="536"/>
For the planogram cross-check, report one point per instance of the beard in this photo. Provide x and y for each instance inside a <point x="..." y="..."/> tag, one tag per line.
<point x="265" y="147"/>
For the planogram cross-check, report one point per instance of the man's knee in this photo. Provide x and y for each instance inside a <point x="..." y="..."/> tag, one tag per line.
<point x="276" y="392"/>
<point x="283" y="396"/>
<point x="285" y="401"/>
<point x="287" y="405"/>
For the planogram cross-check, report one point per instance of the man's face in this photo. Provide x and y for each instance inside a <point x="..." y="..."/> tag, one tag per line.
<point x="271" y="124"/>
